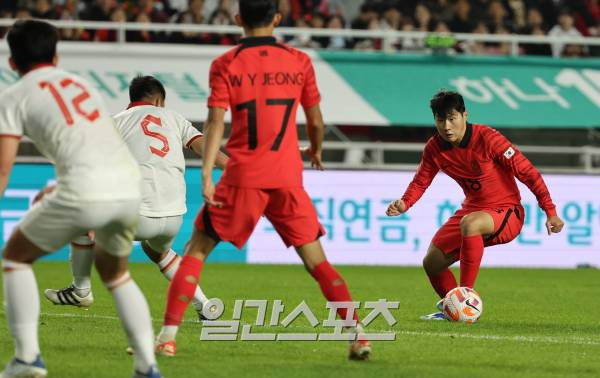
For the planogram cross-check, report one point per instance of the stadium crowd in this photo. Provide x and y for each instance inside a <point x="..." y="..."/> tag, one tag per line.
<point x="531" y="17"/>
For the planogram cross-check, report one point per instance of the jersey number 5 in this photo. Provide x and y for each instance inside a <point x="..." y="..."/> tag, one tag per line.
<point x="252" y="127"/>
<point x="76" y="101"/>
<point x="155" y="120"/>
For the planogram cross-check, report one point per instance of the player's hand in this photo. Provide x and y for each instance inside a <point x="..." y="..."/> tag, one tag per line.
<point x="208" y="192"/>
<point x="396" y="208"/>
<point x="42" y="193"/>
<point x="315" y="158"/>
<point x="554" y="224"/>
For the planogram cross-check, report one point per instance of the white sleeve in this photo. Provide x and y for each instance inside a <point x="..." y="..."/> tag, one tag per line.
<point x="188" y="132"/>
<point x="11" y="117"/>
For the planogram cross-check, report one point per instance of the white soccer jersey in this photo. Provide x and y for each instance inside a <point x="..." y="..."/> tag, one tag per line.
<point x="156" y="137"/>
<point x="67" y="120"/>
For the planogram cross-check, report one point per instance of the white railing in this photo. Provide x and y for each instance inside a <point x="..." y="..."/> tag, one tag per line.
<point x="372" y="155"/>
<point x="388" y="35"/>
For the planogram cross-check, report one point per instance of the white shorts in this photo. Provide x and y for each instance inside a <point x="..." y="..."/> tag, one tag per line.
<point x="159" y="233"/>
<point x="54" y="222"/>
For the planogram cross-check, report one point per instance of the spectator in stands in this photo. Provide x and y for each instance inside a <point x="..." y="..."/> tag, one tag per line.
<point x="306" y="8"/>
<point x="69" y="11"/>
<point x="337" y="42"/>
<point x="222" y="17"/>
<point x="156" y="11"/>
<point x="548" y="8"/>
<point x="210" y="6"/>
<point x="319" y="21"/>
<point x="116" y="15"/>
<point x="98" y="11"/>
<point x="193" y="15"/>
<point x="22" y="14"/>
<point x="43" y="9"/>
<point x="498" y="17"/>
<point x="391" y="20"/>
<point x="141" y="35"/>
<point x="462" y="21"/>
<point x="424" y="21"/>
<point x="499" y="48"/>
<point x="368" y="18"/>
<point x="564" y="28"/>
<point x="302" y="40"/>
<point x="535" y="26"/>
<point x="285" y="8"/>
<point x="441" y="9"/>
<point x="477" y="47"/>
<point x="595" y="32"/>
<point x="441" y="27"/>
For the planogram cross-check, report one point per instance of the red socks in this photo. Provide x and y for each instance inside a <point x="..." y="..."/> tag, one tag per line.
<point x="181" y="290"/>
<point x="333" y="286"/>
<point x="443" y="282"/>
<point x="471" y="253"/>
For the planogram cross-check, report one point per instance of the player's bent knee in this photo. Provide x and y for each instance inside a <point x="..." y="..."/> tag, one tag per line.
<point x="470" y="225"/>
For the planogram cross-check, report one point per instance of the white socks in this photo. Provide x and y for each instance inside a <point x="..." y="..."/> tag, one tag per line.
<point x="169" y="265"/>
<point x="22" y="308"/>
<point x="135" y="317"/>
<point x="82" y="258"/>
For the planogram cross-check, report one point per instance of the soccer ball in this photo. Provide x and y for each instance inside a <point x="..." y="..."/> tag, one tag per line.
<point x="463" y="304"/>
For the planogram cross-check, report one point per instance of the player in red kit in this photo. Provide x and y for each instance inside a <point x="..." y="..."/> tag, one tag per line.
<point x="484" y="163"/>
<point x="263" y="82"/>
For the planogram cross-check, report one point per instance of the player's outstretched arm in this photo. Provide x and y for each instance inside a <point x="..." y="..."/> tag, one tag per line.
<point x="425" y="174"/>
<point x="213" y="134"/>
<point x="507" y="155"/>
<point x="314" y="129"/>
<point x="198" y="146"/>
<point x="9" y="146"/>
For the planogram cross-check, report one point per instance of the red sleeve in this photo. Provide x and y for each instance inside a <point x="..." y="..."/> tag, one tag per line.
<point x="508" y="156"/>
<point x="219" y="91"/>
<point x="423" y="177"/>
<point x="310" y="91"/>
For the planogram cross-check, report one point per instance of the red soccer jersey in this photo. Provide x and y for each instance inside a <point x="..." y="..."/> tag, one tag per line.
<point x="263" y="82"/>
<point x="485" y="165"/>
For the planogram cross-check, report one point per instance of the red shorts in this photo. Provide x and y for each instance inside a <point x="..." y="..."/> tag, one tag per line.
<point x="290" y="210"/>
<point x="508" y="222"/>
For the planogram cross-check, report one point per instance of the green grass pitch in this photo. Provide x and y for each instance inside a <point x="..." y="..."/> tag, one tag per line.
<point x="536" y="323"/>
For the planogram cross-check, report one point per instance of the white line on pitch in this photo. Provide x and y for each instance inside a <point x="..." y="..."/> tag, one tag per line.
<point x="527" y="339"/>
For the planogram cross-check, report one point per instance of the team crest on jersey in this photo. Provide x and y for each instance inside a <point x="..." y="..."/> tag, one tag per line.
<point x="509" y="153"/>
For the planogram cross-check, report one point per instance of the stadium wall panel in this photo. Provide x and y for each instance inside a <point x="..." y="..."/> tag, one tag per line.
<point x="351" y="206"/>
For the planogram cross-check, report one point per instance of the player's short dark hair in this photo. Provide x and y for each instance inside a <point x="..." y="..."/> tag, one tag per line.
<point x="143" y="87"/>
<point x="32" y="42"/>
<point x="257" y="13"/>
<point x="444" y="103"/>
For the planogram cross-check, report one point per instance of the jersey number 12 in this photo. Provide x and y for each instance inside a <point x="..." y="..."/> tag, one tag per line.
<point x="76" y="101"/>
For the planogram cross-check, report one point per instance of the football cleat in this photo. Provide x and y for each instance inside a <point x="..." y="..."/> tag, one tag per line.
<point x="152" y="373"/>
<point x="440" y="304"/>
<point x="435" y="316"/>
<point x="68" y="296"/>
<point x="360" y="350"/>
<point x="201" y="317"/>
<point x="21" y="369"/>
<point x="167" y="348"/>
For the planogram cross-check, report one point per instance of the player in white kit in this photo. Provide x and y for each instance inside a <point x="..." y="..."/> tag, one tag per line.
<point x="155" y="136"/>
<point x="98" y="188"/>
